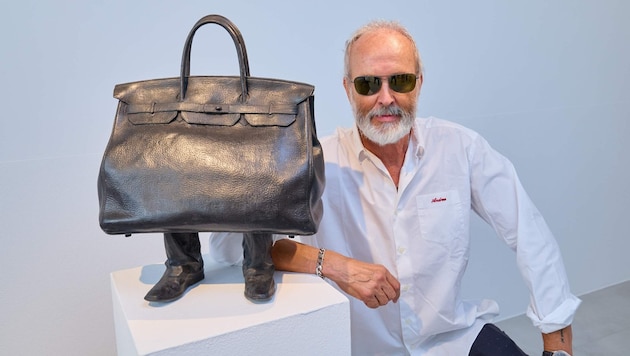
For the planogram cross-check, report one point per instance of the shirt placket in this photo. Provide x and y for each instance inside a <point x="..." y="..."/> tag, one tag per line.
<point x="402" y="236"/>
<point x="405" y="277"/>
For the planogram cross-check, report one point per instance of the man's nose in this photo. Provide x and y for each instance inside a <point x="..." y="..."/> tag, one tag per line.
<point x="385" y="96"/>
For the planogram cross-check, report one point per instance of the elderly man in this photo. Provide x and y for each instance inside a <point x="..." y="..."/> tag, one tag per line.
<point x="395" y="232"/>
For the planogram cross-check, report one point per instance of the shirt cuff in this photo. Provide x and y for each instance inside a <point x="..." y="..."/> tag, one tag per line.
<point x="560" y="318"/>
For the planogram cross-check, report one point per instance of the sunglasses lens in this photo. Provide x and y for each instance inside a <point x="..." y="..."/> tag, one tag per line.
<point x="402" y="83"/>
<point x="367" y="85"/>
<point x="370" y="85"/>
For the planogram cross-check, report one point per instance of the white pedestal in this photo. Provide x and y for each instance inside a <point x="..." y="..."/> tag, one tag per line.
<point x="306" y="316"/>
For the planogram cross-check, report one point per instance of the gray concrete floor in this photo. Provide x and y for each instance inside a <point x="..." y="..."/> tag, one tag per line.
<point x="601" y="326"/>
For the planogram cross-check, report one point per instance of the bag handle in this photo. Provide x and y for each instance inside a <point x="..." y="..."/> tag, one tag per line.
<point x="240" y="50"/>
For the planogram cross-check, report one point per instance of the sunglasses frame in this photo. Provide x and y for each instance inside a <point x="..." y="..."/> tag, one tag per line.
<point x="378" y="80"/>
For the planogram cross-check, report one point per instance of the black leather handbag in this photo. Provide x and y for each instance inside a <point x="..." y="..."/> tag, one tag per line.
<point x="212" y="153"/>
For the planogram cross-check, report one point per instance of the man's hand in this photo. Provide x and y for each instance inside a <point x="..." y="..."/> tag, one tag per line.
<point x="368" y="282"/>
<point x="371" y="283"/>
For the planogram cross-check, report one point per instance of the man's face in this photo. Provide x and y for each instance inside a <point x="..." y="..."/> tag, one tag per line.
<point x="386" y="116"/>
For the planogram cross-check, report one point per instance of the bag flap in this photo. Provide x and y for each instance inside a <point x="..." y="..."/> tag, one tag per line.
<point x="213" y="101"/>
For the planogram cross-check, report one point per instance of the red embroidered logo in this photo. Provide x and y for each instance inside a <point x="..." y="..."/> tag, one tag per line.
<point x="437" y="200"/>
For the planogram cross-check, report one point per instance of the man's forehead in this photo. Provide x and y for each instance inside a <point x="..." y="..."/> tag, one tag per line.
<point x="381" y="43"/>
<point x="382" y="48"/>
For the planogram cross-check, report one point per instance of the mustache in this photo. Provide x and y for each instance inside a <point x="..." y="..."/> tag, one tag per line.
<point x="392" y="109"/>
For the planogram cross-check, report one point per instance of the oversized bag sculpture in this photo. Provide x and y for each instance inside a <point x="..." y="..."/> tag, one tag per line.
<point x="212" y="153"/>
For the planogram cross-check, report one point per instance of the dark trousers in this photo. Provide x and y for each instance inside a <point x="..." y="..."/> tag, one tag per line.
<point x="492" y="341"/>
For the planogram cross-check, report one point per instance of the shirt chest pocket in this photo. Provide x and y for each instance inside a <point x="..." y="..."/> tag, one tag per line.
<point x="442" y="220"/>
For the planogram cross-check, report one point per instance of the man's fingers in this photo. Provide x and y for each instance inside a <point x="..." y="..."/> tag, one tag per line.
<point x="387" y="288"/>
<point x="392" y="289"/>
<point x="389" y="291"/>
<point x="377" y="300"/>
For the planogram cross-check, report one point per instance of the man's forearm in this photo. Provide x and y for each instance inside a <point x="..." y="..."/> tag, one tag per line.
<point x="292" y="256"/>
<point x="371" y="283"/>
<point x="559" y="340"/>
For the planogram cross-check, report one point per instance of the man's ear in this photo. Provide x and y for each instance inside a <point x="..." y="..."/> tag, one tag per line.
<point x="420" y="81"/>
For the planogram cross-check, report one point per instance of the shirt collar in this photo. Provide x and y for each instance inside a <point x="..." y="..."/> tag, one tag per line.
<point x="417" y="138"/>
<point x="416" y="143"/>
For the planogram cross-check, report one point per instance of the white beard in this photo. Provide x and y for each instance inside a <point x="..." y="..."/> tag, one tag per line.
<point x="387" y="132"/>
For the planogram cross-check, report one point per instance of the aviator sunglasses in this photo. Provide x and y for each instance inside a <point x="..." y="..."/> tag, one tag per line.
<point x="370" y="85"/>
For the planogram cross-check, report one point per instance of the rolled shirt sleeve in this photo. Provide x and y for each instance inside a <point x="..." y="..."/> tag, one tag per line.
<point x="499" y="198"/>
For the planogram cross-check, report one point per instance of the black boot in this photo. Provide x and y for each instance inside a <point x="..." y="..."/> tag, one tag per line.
<point x="184" y="267"/>
<point x="258" y="266"/>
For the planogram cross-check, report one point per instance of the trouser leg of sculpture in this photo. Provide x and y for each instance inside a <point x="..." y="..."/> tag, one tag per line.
<point x="258" y="267"/>
<point x="184" y="267"/>
<point x="493" y="341"/>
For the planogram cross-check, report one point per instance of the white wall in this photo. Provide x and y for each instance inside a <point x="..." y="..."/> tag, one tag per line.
<point x="546" y="82"/>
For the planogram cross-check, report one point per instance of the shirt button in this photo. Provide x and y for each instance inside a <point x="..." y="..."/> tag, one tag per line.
<point x="405" y="288"/>
<point x="401" y="250"/>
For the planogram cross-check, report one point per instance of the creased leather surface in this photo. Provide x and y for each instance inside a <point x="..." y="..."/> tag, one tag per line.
<point x="213" y="161"/>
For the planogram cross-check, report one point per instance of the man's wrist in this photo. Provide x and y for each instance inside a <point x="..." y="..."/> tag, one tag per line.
<point x="558" y="342"/>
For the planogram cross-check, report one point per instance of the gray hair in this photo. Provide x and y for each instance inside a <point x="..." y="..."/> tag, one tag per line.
<point x="378" y="25"/>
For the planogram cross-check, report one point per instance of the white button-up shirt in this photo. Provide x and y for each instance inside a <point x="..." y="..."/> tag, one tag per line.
<point x="420" y="233"/>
